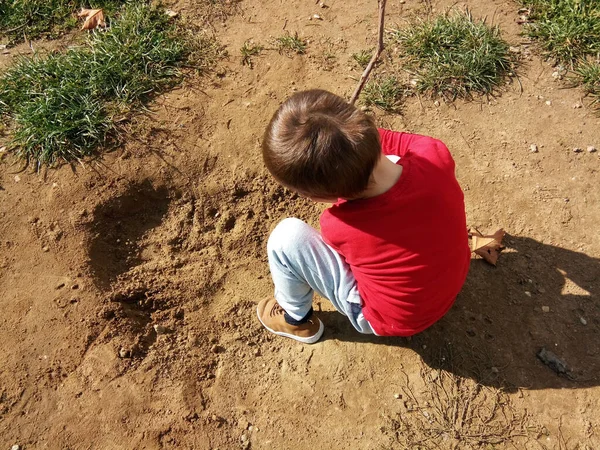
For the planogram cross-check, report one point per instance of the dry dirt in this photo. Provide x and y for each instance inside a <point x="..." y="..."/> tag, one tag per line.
<point x="128" y="283"/>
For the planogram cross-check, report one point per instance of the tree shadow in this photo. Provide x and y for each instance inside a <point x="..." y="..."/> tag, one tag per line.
<point x="501" y="320"/>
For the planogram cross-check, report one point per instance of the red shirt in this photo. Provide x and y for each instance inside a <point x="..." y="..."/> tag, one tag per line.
<point x="408" y="247"/>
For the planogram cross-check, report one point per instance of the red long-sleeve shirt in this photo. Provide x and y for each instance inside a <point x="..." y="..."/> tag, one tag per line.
<point x="408" y="247"/>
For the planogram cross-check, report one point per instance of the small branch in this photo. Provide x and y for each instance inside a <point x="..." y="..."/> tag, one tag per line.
<point x="375" y="57"/>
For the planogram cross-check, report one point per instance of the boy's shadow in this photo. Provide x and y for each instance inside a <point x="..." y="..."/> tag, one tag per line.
<point x="501" y="320"/>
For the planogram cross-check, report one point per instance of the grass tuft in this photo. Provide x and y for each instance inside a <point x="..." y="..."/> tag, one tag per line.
<point x="248" y="51"/>
<point x="383" y="92"/>
<point x="63" y="106"/>
<point x="454" y="55"/>
<point x="362" y="58"/>
<point x="588" y="75"/>
<point x="289" y="44"/>
<point x="37" y="18"/>
<point x="567" y="30"/>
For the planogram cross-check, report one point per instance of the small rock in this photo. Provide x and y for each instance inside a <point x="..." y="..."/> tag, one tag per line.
<point x="3" y="47"/>
<point x="513" y="49"/>
<point x="16" y="447"/>
<point x="591" y="149"/>
<point x="533" y="148"/>
<point x="546" y="309"/>
<point x="436" y="103"/>
<point x="2" y="149"/>
<point x="495" y="370"/>
<point x="397" y="396"/>
<point x="528" y="294"/>
<point x="323" y="5"/>
<point x="243" y="438"/>
<point x="257" y="352"/>
<point x="317" y="17"/>
<point x="45" y="249"/>
<point x="124" y="353"/>
<point x="583" y="321"/>
<point x="217" y="349"/>
<point x="160" y="329"/>
<point x="577" y="150"/>
<point x="171" y="13"/>
<point x="548" y="102"/>
<point x="577" y="105"/>
<point x="17" y="178"/>
<point x="554" y="362"/>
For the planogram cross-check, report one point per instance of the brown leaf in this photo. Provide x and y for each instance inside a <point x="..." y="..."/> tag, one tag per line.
<point x="489" y="246"/>
<point x="93" y="18"/>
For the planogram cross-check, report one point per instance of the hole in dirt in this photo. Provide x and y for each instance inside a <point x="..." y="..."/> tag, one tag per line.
<point x="118" y="227"/>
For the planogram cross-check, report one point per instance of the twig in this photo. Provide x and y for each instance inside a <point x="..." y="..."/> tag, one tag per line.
<point x="375" y="57"/>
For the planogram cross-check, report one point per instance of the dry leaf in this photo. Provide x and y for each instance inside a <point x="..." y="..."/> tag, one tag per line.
<point x="93" y="18"/>
<point x="489" y="246"/>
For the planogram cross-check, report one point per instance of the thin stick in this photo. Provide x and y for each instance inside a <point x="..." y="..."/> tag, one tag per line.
<point x="375" y="57"/>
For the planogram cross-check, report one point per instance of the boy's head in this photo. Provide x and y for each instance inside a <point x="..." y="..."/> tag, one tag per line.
<point x="320" y="146"/>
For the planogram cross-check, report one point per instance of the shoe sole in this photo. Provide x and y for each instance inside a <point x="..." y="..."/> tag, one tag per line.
<point x="305" y="340"/>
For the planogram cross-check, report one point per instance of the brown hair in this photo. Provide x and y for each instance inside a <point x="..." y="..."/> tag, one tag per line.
<point x="321" y="146"/>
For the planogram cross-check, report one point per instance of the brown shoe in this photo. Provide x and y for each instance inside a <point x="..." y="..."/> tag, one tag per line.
<point x="270" y="315"/>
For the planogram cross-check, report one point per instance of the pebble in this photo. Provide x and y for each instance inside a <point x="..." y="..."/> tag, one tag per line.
<point x="322" y="5"/>
<point x="591" y="149"/>
<point x="45" y="249"/>
<point x="160" y="329"/>
<point x="545" y="309"/>
<point x="577" y="150"/>
<point x="436" y="103"/>
<point x="583" y="321"/>
<point x="577" y="106"/>
<point x="528" y="294"/>
<point x="124" y="353"/>
<point x="495" y="370"/>
<point x="16" y="447"/>
<point x="548" y="102"/>
<point x="533" y="148"/>
<point x="17" y="178"/>
<point x="317" y="17"/>
<point x="397" y="396"/>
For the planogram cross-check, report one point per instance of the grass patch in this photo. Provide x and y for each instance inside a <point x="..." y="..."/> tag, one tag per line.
<point x="588" y="75"/>
<point x="362" y="58"/>
<point x="248" y="51"/>
<point x="37" y="18"/>
<point x="63" y="106"/>
<point x="383" y="92"/>
<point x="290" y="45"/>
<point x="454" y="55"/>
<point x="566" y="30"/>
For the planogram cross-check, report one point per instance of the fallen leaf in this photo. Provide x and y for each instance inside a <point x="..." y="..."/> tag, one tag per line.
<point x="93" y="18"/>
<point x="489" y="246"/>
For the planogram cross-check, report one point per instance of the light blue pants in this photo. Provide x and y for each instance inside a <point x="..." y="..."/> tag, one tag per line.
<point x="302" y="263"/>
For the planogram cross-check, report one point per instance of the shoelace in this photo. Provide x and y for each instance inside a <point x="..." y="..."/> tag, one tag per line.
<point x="276" y="310"/>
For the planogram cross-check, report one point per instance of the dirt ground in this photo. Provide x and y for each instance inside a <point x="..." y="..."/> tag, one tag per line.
<point x="128" y="284"/>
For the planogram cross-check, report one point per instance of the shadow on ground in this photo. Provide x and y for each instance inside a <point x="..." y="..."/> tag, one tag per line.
<point x="501" y="320"/>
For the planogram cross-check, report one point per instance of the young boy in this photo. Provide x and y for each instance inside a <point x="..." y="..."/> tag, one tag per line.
<point x="393" y="251"/>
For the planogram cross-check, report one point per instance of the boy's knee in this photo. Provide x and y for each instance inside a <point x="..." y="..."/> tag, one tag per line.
<point x="287" y="233"/>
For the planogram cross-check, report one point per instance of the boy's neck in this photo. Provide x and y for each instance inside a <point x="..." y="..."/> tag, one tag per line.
<point x="385" y="175"/>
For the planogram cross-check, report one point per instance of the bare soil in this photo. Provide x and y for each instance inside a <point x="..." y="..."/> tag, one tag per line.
<point x="128" y="284"/>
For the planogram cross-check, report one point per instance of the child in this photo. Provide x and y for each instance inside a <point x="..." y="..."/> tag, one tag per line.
<point x="393" y="251"/>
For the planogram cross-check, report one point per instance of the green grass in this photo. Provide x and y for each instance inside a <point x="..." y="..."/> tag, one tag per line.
<point x="248" y="51"/>
<point x="289" y="44"/>
<point x="566" y="30"/>
<point x="454" y="55"/>
<point x="383" y="92"/>
<point x="37" y="18"/>
<point x="63" y="106"/>
<point x="588" y="75"/>
<point x="362" y="58"/>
